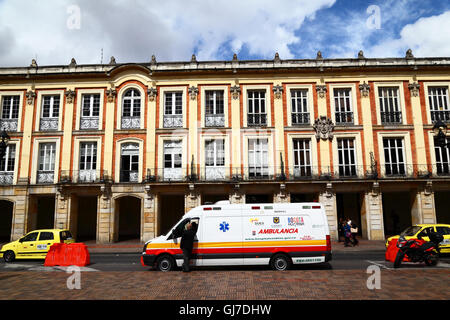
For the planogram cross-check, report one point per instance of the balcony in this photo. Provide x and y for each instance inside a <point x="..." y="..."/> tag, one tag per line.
<point x="89" y="123"/>
<point x="215" y="120"/>
<point x="394" y="117"/>
<point x="48" y="124"/>
<point x="173" y="121"/>
<point x="257" y="120"/>
<point x="131" y="122"/>
<point x="9" y="125"/>
<point x="83" y="176"/>
<point x="300" y="118"/>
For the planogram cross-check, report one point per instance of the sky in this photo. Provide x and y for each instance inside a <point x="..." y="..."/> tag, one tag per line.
<point x="55" y="31"/>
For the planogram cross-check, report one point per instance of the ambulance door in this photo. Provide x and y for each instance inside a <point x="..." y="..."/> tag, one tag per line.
<point x="222" y="238"/>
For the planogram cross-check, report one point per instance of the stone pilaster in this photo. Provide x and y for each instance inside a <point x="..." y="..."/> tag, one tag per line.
<point x="192" y="199"/>
<point x="237" y="196"/>
<point x="423" y="209"/>
<point x="19" y="212"/>
<point x="372" y="214"/>
<point x="328" y="199"/>
<point x="150" y="212"/>
<point x="105" y="225"/>
<point x="62" y="210"/>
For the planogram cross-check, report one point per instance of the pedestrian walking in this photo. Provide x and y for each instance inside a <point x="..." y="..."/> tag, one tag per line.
<point x="354" y="232"/>
<point x="347" y="233"/>
<point x="187" y="244"/>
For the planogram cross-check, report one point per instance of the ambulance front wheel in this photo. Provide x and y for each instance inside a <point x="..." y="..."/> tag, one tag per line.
<point x="165" y="263"/>
<point x="280" y="262"/>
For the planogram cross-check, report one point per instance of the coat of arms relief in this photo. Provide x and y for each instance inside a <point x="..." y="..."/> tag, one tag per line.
<point x="324" y="128"/>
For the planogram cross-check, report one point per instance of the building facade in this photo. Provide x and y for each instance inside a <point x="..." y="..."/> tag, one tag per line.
<point x="122" y="151"/>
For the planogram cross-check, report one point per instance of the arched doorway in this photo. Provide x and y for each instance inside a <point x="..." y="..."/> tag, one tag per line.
<point x="6" y="215"/>
<point x="128" y="219"/>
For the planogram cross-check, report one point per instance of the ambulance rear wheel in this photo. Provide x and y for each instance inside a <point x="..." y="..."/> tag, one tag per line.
<point x="165" y="263"/>
<point x="280" y="262"/>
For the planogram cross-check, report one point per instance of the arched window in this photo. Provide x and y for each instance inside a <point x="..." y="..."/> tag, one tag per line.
<point x="131" y="109"/>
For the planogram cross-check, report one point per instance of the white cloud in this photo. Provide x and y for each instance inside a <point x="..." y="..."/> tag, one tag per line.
<point x="427" y="37"/>
<point x="134" y="30"/>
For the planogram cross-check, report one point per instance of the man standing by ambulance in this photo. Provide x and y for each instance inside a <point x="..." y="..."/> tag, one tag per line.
<point x="187" y="243"/>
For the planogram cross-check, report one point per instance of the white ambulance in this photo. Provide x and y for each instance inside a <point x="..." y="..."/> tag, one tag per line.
<point x="277" y="235"/>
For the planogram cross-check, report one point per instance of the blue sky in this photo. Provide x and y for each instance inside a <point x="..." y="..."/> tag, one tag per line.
<point x="132" y="30"/>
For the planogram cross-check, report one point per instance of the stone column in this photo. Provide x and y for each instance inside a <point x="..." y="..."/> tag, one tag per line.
<point x="19" y="212"/>
<point x="423" y="209"/>
<point x="150" y="211"/>
<point x="105" y="225"/>
<point x="372" y="214"/>
<point x="328" y="199"/>
<point x="62" y="209"/>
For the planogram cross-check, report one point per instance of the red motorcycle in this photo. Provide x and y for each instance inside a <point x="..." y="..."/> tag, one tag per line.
<point x="418" y="250"/>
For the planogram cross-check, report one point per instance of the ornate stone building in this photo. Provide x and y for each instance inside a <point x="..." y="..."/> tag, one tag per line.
<point x="122" y="151"/>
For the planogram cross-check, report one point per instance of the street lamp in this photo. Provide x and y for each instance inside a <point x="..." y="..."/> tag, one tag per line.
<point x="3" y="143"/>
<point x="440" y="132"/>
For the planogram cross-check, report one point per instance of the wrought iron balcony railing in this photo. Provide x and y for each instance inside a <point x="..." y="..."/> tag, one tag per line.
<point x="173" y="121"/>
<point x="6" y="178"/>
<point x="344" y="117"/>
<point x="48" y="124"/>
<point x="393" y="117"/>
<point x="300" y="118"/>
<point x="255" y="120"/>
<point x="8" y="125"/>
<point x="83" y="176"/>
<point x="215" y="120"/>
<point x="131" y="122"/>
<point x="45" y="177"/>
<point x="442" y="115"/>
<point x="89" y="123"/>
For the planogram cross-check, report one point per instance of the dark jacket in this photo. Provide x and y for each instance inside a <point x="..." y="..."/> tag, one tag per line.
<point x="187" y="239"/>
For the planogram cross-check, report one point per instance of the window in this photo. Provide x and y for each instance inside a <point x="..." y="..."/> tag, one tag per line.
<point x="302" y="157"/>
<point x="129" y="171"/>
<point x="390" y="111"/>
<point x="299" y="107"/>
<point x="8" y="161"/>
<point x="90" y="111"/>
<point x="131" y="109"/>
<point x="50" y="113"/>
<point x="393" y="156"/>
<point x="65" y="235"/>
<point x="50" y="107"/>
<point x="46" y="236"/>
<point x="346" y="154"/>
<point x="445" y="231"/>
<point x="10" y="113"/>
<point x="258" y="156"/>
<point x="30" y="237"/>
<point x="343" y="106"/>
<point x="173" y="109"/>
<point x="214" y="108"/>
<point x="172" y="160"/>
<point x="10" y="108"/>
<point x="442" y="158"/>
<point x="256" y="115"/>
<point x="7" y="164"/>
<point x="46" y="167"/>
<point x="439" y="104"/>
<point x="91" y="105"/>
<point x="88" y="156"/>
<point x="47" y="156"/>
<point x="215" y="159"/>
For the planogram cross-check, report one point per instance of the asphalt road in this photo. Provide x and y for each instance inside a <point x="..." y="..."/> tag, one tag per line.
<point x="131" y="262"/>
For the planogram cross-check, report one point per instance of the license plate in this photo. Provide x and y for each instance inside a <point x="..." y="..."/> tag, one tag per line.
<point x="41" y="247"/>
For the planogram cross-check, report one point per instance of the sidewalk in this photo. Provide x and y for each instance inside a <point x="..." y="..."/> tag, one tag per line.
<point x="136" y="247"/>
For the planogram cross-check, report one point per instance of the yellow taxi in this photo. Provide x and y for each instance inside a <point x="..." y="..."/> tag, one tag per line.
<point x="35" y="244"/>
<point x="422" y="230"/>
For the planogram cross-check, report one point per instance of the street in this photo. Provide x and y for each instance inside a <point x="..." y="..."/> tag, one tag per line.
<point x="120" y="276"/>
